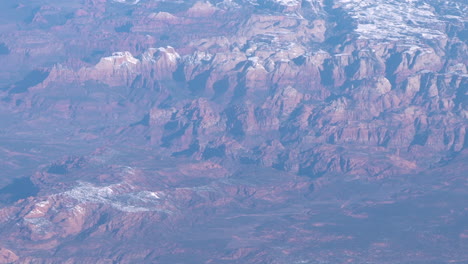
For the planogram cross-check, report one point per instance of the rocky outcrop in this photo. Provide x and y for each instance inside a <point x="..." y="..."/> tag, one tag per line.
<point x="7" y="256"/>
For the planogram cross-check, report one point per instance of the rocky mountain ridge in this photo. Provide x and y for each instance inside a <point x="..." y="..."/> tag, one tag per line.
<point x="179" y="119"/>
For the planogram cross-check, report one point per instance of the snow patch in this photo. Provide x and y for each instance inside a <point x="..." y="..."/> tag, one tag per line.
<point x="128" y="2"/>
<point x="393" y="19"/>
<point x="122" y="57"/>
<point x="122" y="197"/>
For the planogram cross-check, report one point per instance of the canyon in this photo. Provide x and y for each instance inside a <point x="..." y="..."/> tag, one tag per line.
<point x="249" y="131"/>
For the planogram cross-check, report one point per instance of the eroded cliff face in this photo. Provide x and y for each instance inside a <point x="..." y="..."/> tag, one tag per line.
<point x="313" y="93"/>
<point x="265" y="80"/>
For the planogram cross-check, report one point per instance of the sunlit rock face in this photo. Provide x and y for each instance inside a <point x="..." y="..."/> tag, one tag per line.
<point x="235" y="131"/>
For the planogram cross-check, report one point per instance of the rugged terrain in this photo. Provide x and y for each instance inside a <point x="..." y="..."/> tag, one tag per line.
<point x="233" y="131"/>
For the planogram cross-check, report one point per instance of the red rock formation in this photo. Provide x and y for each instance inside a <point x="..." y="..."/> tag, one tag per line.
<point x="230" y="127"/>
<point x="6" y="256"/>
